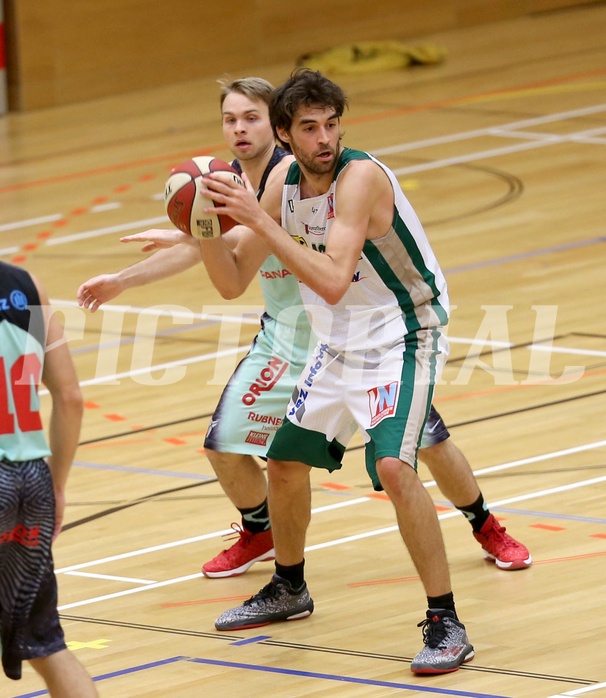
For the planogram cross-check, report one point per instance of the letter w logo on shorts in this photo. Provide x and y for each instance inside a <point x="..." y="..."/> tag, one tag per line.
<point x="382" y="401"/>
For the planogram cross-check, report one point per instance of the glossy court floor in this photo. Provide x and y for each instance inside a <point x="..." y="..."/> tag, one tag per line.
<point x="502" y="151"/>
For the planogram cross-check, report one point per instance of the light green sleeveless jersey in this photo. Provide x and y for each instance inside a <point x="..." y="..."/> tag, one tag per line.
<point x="22" y="436"/>
<point x="280" y="291"/>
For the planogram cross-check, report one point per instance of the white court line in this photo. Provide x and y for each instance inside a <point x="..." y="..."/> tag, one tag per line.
<point x="187" y="541"/>
<point x="111" y="577"/>
<point x="492" y="130"/>
<point x="160" y="367"/>
<point x="167" y="312"/>
<point x="145" y="223"/>
<point x="339" y="541"/>
<point x="136" y="590"/>
<point x="169" y="364"/>
<point x="31" y="221"/>
<point x="243" y="319"/>
<point x="579" y="691"/>
<point x="530" y="347"/>
<point x="450" y="514"/>
<point x="566" y="350"/>
<point x="538" y="459"/>
<point x="502" y="131"/>
<point x="471" y="157"/>
<point x="109" y="206"/>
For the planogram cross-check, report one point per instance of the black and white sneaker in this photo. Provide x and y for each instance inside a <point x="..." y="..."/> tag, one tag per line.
<point x="277" y="601"/>
<point x="446" y="644"/>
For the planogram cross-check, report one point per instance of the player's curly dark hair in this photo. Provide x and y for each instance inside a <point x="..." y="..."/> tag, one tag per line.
<point x="304" y="87"/>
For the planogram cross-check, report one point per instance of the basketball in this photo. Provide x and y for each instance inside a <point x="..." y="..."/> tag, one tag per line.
<point x="185" y="204"/>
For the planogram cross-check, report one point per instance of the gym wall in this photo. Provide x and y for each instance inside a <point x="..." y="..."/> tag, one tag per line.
<point x="65" y="51"/>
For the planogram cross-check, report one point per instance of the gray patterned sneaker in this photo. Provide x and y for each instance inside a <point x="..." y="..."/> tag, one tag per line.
<point x="275" y="602"/>
<point x="446" y="644"/>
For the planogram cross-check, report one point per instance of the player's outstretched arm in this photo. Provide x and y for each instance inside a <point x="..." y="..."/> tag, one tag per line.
<point x="164" y="263"/>
<point x="231" y="260"/>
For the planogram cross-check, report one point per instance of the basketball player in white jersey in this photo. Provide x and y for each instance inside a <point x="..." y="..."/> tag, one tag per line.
<point x="378" y="302"/>
<point x="235" y="441"/>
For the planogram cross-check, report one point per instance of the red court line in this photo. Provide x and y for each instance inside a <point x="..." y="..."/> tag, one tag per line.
<point x="334" y="486"/>
<point x="378" y="582"/>
<point x="482" y="95"/>
<point x="355" y="120"/>
<point x="504" y="388"/>
<point x="398" y="580"/>
<point x="585" y="556"/>
<point x="110" y="168"/>
<point x="177" y="604"/>
<point x="547" y="527"/>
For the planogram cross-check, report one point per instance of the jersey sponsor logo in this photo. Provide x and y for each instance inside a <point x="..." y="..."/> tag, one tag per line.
<point x="266" y="380"/>
<point x="302" y="241"/>
<point x="265" y="419"/>
<point x="357" y="277"/>
<point x="277" y="274"/>
<point x="382" y="401"/>
<point x="314" y="229"/>
<point x="257" y="438"/>
<point x="331" y="206"/>
<point x="16" y="299"/>
<point x="23" y="535"/>
<point x="298" y="408"/>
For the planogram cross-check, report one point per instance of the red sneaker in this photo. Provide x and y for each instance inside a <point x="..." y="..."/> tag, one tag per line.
<point x="499" y="546"/>
<point x="248" y="549"/>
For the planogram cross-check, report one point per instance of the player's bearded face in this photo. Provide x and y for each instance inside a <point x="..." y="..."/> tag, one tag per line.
<point x="319" y="160"/>
<point x="314" y="138"/>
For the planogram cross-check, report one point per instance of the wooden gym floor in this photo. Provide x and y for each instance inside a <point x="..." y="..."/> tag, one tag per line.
<point x="502" y="151"/>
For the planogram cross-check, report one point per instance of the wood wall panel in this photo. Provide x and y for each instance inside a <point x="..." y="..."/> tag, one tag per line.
<point x="61" y="52"/>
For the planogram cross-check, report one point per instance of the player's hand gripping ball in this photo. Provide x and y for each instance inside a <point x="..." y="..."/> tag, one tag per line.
<point x="185" y="204"/>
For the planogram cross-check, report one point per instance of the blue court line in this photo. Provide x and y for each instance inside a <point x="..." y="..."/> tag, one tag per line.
<point x="548" y="515"/>
<point x="287" y="672"/>
<point x="536" y="514"/>
<point x="525" y="255"/>
<point x="131" y="339"/>
<point x="346" y="679"/>
<point x="143" y="471"/>
<point x="114" y="674"/>
<point x="249" y="640"/>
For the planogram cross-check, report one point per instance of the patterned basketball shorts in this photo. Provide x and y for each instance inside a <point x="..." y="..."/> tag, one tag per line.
<point x="29" y="620"/>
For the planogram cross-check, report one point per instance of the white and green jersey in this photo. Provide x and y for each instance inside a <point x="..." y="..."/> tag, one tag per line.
<point x="398" y="286"/>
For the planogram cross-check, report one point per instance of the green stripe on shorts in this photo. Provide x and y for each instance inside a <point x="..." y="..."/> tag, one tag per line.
<point x="292" y="443"/>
